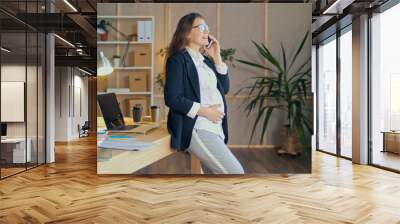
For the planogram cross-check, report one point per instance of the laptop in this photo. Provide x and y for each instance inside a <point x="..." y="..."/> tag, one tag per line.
<point x="114" y="119"/>
<point x="3" y="131"/>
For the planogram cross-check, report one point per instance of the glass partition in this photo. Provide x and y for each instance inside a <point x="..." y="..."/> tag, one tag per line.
<point x="22" y="88"/>
<point x="327" y="95"/>
<point x="14" y="153"/>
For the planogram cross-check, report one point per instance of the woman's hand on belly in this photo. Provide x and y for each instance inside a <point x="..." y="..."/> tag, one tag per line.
<point x="212" y="113"/>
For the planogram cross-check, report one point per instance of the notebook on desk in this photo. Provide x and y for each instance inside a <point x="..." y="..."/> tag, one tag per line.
<point x="124" y="143"/>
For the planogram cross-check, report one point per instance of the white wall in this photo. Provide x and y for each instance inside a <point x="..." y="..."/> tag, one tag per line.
<point x="69" y="85"/>
<point x="16" y="73"/>
<point x="33" y="126"/>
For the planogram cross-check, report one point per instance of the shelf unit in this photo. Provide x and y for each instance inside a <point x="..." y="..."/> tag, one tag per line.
<point x="118" y="46"/>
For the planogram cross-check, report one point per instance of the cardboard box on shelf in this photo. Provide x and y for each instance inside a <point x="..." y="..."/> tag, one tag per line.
<point x="138" y="81"/>
<point x="102" y="83"/>
<point x="141" y="57"/>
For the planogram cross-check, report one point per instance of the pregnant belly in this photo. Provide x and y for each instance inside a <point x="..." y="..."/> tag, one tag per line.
<point x="220" y="108"/>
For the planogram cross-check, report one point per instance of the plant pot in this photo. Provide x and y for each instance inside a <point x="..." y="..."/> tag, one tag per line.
<point x="292" y="144"/>
<point x="104" y="36"/>
<point x="117" y="62"/>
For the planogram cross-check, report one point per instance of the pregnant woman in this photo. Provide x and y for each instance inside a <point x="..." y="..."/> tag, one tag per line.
<point x="195" y="91"/>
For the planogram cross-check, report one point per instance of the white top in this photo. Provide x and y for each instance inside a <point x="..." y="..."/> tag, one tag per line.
<point x="209" y="93"/>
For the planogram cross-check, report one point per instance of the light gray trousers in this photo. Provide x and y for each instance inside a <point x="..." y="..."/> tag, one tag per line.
<point x="213" y="153"/>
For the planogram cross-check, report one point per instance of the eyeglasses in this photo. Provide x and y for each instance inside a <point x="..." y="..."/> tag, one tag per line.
<point x="202" y="27"/>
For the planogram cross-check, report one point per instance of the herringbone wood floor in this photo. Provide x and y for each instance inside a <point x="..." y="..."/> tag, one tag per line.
<point x="69" y="191"/>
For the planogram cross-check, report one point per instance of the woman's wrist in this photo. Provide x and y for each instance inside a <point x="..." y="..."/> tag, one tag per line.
<point x="218" y="60"/>
<point x="202" y="111"/>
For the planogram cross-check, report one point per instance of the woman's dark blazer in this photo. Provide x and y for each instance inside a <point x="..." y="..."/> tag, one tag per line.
<point x="181" y="90"/>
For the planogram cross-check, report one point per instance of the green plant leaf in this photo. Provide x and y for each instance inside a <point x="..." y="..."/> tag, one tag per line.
<point x="299" y="49"/>
<point x="260" y="114"/>
<point x="255" y="65"/>
<point x="271" y="58"/>
<point x="266" y="121"/>
<point x="284" y="58"/>
<point x="301" y="67"/>
<point x="299" y="73"/>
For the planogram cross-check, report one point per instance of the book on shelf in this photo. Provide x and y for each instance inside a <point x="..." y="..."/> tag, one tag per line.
<point x="145" y="31"/>
<point x="141" y="31"/>
<point x="148" y="31"/>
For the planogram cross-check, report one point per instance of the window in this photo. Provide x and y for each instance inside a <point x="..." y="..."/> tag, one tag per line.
<point x="346" y="92"/>
<point x="327" y="96"/>
<point x="385" y="88"/>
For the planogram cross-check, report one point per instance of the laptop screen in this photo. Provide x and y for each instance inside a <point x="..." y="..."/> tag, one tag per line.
<point x="3" y="129"/>
<point x="111" y="112"/>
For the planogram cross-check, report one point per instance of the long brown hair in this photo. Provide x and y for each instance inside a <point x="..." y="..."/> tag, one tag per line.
<point x="183" y="28"/>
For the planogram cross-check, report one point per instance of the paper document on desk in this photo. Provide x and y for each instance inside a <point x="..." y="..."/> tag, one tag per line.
<point x="124" y="143"/>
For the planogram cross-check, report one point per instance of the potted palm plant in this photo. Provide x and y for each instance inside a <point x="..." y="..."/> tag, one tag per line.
<point x="287" y="89"/>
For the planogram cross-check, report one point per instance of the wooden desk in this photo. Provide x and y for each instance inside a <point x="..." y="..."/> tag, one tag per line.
<point x="115" y="161"/>
<point x="391" y="141"/>
<point x="18" y="152"/>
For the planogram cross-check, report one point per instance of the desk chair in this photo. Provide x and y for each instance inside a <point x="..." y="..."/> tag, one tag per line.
<point x="84" y="130"/>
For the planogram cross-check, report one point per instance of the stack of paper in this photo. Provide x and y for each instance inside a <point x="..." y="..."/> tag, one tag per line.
<point x="124" y="143"/>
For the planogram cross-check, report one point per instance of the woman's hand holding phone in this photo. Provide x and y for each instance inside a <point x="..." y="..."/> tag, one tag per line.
<point x="212" y="113"/>
<point x="214" y="50"/>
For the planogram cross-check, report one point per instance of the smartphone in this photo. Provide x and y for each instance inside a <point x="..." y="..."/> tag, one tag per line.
<point x="210" y="42"/>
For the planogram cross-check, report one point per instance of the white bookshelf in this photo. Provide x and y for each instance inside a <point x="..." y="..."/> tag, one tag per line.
<point x="118" y="20"/>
